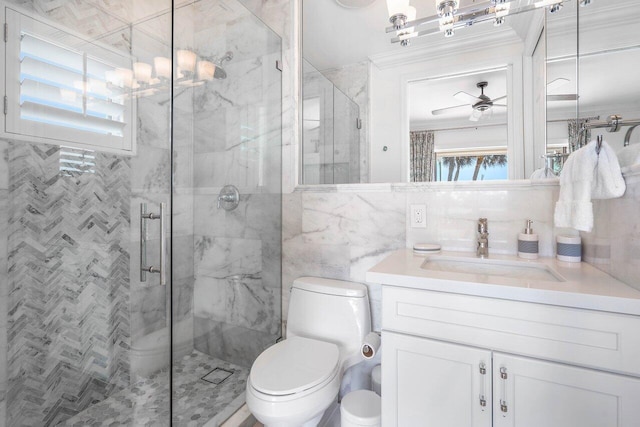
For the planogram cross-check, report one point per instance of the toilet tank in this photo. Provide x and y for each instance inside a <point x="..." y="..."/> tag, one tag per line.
<point x="329" y="310"/>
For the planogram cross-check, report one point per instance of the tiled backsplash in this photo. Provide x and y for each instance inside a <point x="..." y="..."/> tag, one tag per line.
<point x="342" y="231"/>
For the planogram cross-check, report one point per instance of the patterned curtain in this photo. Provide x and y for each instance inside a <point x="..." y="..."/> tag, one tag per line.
<point x="577" y="140"/>
<point x="422" y="156"/>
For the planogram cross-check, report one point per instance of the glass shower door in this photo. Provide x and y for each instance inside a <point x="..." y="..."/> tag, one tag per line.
<point x="227" y="208"/>
<point x="84" y="336"/>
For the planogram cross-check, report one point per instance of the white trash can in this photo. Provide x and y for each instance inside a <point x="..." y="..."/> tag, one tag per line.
<point x="376" y="380"/>
<point x="360" y="408"/>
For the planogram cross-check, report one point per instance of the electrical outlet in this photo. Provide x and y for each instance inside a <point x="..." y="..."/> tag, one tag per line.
<point x="418" y="216"/>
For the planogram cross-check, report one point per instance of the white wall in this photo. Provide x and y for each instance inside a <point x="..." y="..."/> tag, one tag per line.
<point x="389" y="100"/>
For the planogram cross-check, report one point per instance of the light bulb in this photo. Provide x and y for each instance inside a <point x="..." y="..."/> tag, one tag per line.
<point x="411" y="16"/>
<point x="205" y="70"/>
<point x="124" y="76"/>
<point x="397" y="7"/>
<point x="163" y="67"/>
<point x="186" y="61"/>
<point x="502" y="8"/>
<point x="142" y="72"/>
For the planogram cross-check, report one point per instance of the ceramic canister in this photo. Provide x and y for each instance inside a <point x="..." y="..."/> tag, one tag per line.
<point x="569" y="248"/>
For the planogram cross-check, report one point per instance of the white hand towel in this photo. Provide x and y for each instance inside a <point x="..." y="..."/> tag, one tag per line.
<point x="585" y="176"/>
<point x="629" y="155"/>
<point x="608" y="181"/>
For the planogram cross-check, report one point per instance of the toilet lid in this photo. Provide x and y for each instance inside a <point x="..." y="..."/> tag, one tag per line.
<point x="294" y="365"/>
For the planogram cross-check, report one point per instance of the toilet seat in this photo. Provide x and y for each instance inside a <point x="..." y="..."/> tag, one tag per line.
<point x="294" y="365"/>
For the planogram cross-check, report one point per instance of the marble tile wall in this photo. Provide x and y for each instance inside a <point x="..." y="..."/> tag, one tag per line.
<point x="341" y="234"/>
<point x="4" y="283"/>
<point x="237" y="140"/>
<point x="137" y="311"/>
<point x="614" y="243"/>
<point x="68" y="323"/>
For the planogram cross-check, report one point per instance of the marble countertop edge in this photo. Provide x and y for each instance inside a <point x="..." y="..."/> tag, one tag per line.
<point x="585" y="287"/>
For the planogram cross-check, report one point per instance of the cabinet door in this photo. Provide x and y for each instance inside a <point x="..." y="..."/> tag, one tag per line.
<point x="431" y="383"/>
<point x="534" y="393"/>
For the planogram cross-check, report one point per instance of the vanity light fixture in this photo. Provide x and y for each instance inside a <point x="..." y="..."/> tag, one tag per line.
<point x="411" y="16"/>
<point x="398" y="13"/>
<point x="146" y="79"/>
<point x="354" y="4"/>
<point x="451" y="17"/>
<point x="446" y="11"/>
<point x="502" y="9"/>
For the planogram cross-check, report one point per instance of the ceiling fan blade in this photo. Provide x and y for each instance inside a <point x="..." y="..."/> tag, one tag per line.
<point x="447" y="110"/>
<point x="466" y="97"/>
<point x="564" y="97"/>
<point x="556" y="84"/>
<point x="499" y="99"/>
<point x="475" y="115"/>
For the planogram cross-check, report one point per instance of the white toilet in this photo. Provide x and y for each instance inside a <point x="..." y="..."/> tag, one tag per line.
<point x="293" y="382"/>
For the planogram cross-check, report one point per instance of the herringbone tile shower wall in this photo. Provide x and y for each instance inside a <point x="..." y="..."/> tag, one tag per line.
<point x="68" y="281"/>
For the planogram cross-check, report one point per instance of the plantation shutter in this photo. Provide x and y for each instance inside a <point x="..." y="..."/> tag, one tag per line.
<point x="56" y="87"/>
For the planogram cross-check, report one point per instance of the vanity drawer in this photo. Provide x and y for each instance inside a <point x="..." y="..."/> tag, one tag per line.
<point x="594" y="339"/>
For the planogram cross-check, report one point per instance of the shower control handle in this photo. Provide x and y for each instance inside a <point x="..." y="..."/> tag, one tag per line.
<point x="229" y="198"/>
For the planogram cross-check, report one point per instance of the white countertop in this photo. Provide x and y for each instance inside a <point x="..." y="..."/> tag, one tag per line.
<point x="584" y="286"/>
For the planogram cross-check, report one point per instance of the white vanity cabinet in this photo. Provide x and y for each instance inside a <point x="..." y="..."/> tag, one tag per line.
<point x="460" y="360"/>
<point x="433" y="383"/>
<point x="540" y="393"/>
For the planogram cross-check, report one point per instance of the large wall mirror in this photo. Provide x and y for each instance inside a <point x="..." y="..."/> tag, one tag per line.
<point x="499" y="91"/>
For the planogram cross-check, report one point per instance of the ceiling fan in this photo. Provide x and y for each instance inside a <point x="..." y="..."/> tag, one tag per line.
<point x="482" y="105"/>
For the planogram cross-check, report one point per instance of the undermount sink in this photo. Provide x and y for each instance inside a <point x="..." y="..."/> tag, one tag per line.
<point x="525" y="270"/>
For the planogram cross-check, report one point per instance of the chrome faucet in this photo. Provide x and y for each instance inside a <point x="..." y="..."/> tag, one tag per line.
<point x="483" y="238"/>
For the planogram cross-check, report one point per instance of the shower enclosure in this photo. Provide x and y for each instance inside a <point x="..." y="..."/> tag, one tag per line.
<point x="140" y="210"/>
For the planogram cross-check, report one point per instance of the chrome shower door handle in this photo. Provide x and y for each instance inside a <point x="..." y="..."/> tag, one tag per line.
<point x="163" y="247"/>
<point x="144" y="269"/>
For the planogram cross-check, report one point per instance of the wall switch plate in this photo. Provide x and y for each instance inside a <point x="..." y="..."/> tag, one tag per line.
<point x="418" y="216"/>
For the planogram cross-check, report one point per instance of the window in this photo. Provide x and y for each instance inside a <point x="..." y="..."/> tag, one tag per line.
<point x="471" y="166"/>
<point x="56" y="90"/>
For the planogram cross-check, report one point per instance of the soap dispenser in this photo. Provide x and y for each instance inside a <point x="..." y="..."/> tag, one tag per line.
<point x="528" y="242"/>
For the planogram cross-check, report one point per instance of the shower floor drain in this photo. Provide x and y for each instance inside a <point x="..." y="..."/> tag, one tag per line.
<point x="217" y="376"/>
